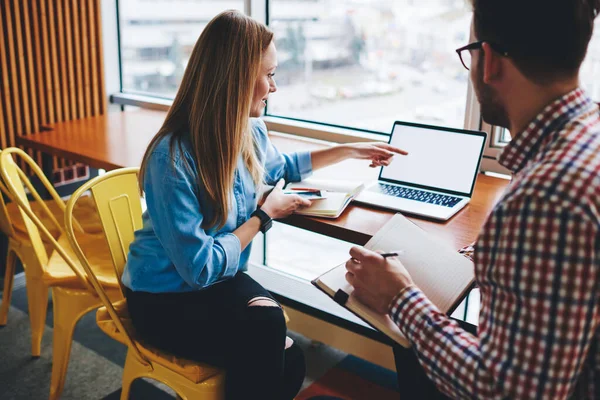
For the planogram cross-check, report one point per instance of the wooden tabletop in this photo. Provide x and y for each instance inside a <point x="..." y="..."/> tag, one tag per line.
<point x="110" y="141"/>
<point x="119" y="139"/>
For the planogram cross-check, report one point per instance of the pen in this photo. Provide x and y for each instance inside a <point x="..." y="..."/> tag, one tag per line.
<point x="392" y="253"/>
<point x="305" y="189"/>
<point x="384" y="255"/>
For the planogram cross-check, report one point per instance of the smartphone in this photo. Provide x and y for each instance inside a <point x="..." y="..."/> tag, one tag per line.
<point x="308" y="194"/>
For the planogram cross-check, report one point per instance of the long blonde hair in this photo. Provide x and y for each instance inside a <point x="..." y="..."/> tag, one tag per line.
<point x="212" y="106"/>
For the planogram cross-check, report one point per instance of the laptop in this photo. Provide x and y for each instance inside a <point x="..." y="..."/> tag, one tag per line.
<point x="436" y="178"/>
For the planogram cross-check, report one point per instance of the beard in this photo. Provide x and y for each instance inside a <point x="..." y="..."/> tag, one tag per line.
<point x="492" y="110"/>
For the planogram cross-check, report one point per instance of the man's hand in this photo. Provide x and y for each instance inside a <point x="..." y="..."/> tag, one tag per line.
<point x="376" y="280"/>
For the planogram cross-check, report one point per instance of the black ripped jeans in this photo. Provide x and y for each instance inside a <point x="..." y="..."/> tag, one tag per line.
<point x="216" y="326"/>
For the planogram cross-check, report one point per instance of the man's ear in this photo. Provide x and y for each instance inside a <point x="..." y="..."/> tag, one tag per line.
<point x="492" y="65"/>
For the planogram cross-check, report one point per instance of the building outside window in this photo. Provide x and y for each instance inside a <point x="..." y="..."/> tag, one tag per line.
<point x="157" y="38"/>
<point x="366" y="64"/>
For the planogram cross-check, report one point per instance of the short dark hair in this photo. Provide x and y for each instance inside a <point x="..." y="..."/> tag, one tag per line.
<point x="546" y="39"/>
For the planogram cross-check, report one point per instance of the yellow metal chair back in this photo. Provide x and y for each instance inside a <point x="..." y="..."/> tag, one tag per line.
<point x="6" y="222"/>
<point x="119" y="207"/>
<point x="14" y="226"/>
<point x="6" y="225"/>
<point x="16" y="182"/>
<point x="10" y="173"/>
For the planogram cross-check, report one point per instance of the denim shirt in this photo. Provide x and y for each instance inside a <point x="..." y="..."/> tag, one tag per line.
<point x="172" y="252"/>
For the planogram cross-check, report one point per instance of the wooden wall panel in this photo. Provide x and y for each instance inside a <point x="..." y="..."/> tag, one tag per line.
<point x="6" y="104"/>
<point x="78" y="56"/>
<point x="50" y="65"/>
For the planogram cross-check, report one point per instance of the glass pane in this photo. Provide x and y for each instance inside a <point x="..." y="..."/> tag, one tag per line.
<point x="302" y="253"/>
<point x="590" y="70"/>
<point x="505" y="137"/>
<point x="366" y="64"/>
<point x="157" y="37"/>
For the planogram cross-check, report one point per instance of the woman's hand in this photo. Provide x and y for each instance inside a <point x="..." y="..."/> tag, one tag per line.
<point x="380" y="154"/>
<point x="279" y="205"/>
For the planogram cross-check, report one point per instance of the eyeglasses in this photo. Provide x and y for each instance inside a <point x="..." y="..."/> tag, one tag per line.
<point x="465" y="56"/>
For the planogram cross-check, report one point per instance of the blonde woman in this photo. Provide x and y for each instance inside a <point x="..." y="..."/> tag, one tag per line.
<point x="186" y="287"/>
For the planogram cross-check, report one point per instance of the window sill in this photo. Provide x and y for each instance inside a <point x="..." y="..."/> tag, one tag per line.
<point x="300" y="129"/>
<point x="283" y="125"/>
<point x="139" y="100"/>
<point x="321" y="132"/>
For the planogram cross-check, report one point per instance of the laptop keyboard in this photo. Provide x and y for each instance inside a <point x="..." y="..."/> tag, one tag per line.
<point x="419" y="195"/>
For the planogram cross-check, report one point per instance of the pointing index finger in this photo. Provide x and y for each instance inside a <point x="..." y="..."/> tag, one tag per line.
<point x="394" y="149"/>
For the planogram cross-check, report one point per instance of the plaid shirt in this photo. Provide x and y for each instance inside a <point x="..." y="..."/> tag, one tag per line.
<point x="537" y="264"/>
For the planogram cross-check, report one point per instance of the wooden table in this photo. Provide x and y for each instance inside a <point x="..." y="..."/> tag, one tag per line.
<point x="119" y="139"/>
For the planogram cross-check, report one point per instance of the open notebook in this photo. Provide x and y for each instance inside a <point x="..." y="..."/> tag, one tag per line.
<point x="338" y="194"/>
<point x="438" y="270"/>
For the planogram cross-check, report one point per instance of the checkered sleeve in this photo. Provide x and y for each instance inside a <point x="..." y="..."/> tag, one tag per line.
<point x="539" y="286"/>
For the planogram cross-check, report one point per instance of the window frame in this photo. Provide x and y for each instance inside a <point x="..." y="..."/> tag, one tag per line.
<point x="259" y="9"/>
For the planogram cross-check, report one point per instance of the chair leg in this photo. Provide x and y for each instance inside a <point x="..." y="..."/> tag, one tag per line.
<point x="69" y="305"/>
<point x="9" y="275"/>
<point x="126" y="386"/>
<point x="131" y="371"/>
<point x="37" y="300"/>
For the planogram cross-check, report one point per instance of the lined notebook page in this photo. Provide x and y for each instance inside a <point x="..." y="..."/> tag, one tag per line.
<point x="436" y="268"/>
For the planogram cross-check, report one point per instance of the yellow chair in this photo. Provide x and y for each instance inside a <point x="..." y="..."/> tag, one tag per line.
<point x="119" y="207"/>
<point x="13" y="226"/>
<point x="72" y="293"/>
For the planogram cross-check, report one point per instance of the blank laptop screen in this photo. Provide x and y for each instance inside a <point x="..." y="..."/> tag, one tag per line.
<point x="437" y="159"/>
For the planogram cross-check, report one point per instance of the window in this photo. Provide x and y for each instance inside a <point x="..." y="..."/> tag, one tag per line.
<point x="352" y="64"/>
<point x="366" y="64"/>
<point x="157" y="37"/>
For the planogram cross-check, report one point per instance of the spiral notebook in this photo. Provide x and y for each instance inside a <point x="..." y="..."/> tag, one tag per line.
<point x="438" y="270"/>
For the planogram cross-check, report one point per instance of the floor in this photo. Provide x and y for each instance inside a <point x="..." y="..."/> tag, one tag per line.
<point x="96" y="365"/>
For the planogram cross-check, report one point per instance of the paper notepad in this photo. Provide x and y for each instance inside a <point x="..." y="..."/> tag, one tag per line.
<point x="438" y="270"/>
<point x="338" y="195"/>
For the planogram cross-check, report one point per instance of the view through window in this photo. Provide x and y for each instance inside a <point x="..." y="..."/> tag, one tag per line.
<point x="366" y="64"/>
<point x="357" y="64"/>
<point x="157" y="37"/>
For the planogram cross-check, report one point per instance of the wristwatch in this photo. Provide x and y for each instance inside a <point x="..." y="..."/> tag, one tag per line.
<point x="265" y="221"/>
